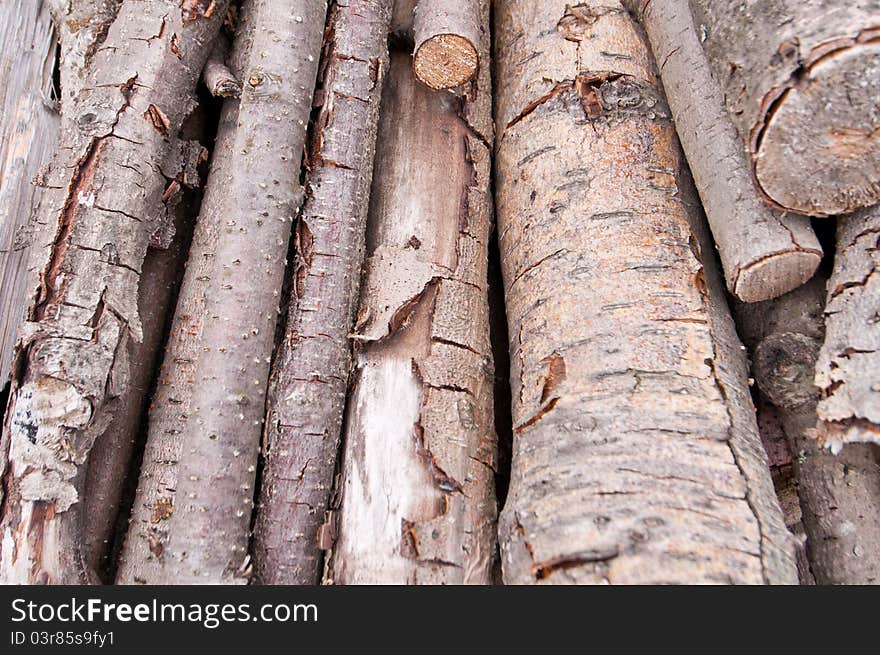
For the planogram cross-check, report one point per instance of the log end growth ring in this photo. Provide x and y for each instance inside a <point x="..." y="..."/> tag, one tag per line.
<point x="776" y="275"/>
<point x="446" y="61"/>
<point x="818" y="152"/>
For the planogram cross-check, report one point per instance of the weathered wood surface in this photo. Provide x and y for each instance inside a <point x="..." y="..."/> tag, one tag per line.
<point x="447" y="36"/>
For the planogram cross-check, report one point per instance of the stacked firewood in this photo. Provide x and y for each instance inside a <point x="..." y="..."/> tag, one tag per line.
<point x="251" y="327"/>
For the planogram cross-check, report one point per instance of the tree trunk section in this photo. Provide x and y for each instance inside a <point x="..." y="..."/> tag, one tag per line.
<point x="636" y="454"/>
<point x="105" y="198"/>
<point x="847" y="370"/>
<point x="447" y="41"/>
<point x="207" y="520"/>
<point x="839" y="495"/>
<point x="415" y="503"/>
<point x="311" y="370"/>
<point x="218" y="79"/>
<point x="764" y="254"/>
<point x="799" y="79"/>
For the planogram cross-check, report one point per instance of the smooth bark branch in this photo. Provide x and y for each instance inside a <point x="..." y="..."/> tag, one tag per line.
<point x="415" y="501"/>
<point x="847" y="370"/>
<point x="839" y="495"/>
<point x="311" y="370"/>
<point x="636" y="455"/>
<point x="106" y="197"/>
<point x="28" y="137"/>
<point x="764" y="253"/>
<point x="219" y="80"/>
<point x="800" y="80"/>
<point x="206" y="522"/>
<point x="447" y="41"/>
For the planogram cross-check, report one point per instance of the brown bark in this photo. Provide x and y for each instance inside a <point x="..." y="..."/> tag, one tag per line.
<point x="105" y="198"/>
<point x="253" y="195"/>
<point x="636" y="455"/>
<point x="415" y="502"/>
<point x="799" y="80"/>
<point x="218" y="79"/>
<point x="311" y="371"/>
<point x="447" y="42"/>
<point x="28" y="137"/>
<point x="839" y="496"/>
<point x="848" y="365"/>
<point x="764" y="253"/>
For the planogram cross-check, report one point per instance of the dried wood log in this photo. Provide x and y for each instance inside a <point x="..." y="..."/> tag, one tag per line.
<point x="253" y="195"/>
<point x="311" y="371"/>
<point x="415" y="503"/>
<point x="839" y="496"/>
<point x="848" y="370"/>
<point x="219" y="80"/>
<point x="447" y="41"/>
<point x="799" y="79"/>
<point x="28" y="137"/>
<point x="636" y="456"/>
<point x="764" y="253"/>
<point x="105" y="198"/>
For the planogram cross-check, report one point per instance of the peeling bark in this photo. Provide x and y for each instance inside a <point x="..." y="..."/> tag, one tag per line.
<point x="415" y="502"/>
<point x="29" y="136"/>
<point x="764" y="253"/>
<point x="104" y="200"/>
<point x="199" y="532"/>
<point x="800" y="81"/>
<point x="636" y="455"/>
<point x="848" y="370"/>
<point x="447" y="41"/>
<point x="311" y="371"/>
<point x="839" y="496"/>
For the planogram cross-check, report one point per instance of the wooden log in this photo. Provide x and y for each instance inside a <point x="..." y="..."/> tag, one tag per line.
<point x="254" y="197"/>
<point x="311" y="371"/>
<point x="447" y="41"/>
<point x="219" y="80"/>
<point x="105" y="198"/>
<point x="636" y="457"/>
<point x="839" y="495"/>
<point x="848" y="365"/>
<point x="27" y="139"/>
<point x="415" y="503"/>
<point x="799" y="79"/>
<point x="764" y="253"/>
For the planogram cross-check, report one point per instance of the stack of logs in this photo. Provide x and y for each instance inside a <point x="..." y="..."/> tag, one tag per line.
<point x="268" y="355"/>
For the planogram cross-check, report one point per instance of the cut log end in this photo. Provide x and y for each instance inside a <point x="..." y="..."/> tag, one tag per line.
<point x="446" y="61"/>
<point x="775" y="275"/>
<point x="825" y="129"/>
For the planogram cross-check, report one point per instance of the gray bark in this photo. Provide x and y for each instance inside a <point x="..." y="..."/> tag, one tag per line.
<point x="311" y="371"/>
<point x="799" y="80"/>
<point x="219" y="80"/>
<point x="636" y="457"/>
<point x="447" y="42"/>
<point x="764" y="253"/>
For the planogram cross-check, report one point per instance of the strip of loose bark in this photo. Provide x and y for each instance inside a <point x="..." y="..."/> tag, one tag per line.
<point x="764" y="254"/>
<point x="119" y="162"/>
<point x="847" y="370"/>
<point x="311" y="370"/>
<point x="447" y="40"/>
<point x="799" y="79"/>
<point x="253" y="199"/>
<point x="217" y="77"/>
<point x="839" y="496"/>
<point x="28" y="137"/>
<point x="415" y="502"/>
<point x="636" y="457"/>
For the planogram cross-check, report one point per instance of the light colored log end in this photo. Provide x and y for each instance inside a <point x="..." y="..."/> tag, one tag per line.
<point x="446" y="61"/>
<point x="818" y="150"/>
<point x="775" y="275"/>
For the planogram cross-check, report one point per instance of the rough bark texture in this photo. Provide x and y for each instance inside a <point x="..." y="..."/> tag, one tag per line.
<point x="311" y="370"/>
<point x="207" y="520"/>
<point x="106" y="196"/>
<point x="415" y="502"/>
<point x="839" y="496"/>
<point x="764" y="254"/>
<point x="800" y="80"/>
<point x="219" y="80"/>
<point x="848" y="370"/>
<point x="447" y="42"/>
<point x="636" y="455"/>
<point x="28" y="136"/>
